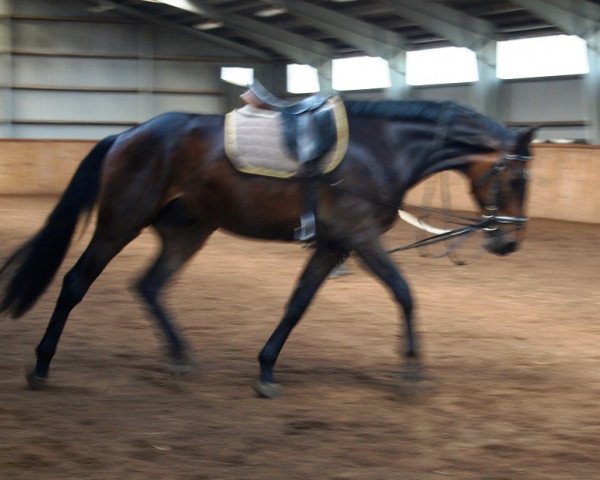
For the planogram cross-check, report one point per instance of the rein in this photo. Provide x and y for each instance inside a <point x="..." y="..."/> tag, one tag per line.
<point x="489" y="220"/>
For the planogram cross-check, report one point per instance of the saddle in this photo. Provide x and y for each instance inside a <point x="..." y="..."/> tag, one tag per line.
<point x="309" y="125"/>
<point x="312" y="135"/>
<point x="258" y="96"/>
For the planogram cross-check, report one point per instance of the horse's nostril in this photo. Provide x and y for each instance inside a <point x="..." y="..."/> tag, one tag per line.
<point x="509" y="247"/>
<point x="500" y="246"/>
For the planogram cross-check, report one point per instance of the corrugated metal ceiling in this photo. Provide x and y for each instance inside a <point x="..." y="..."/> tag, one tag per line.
<point x="291" y="30"/>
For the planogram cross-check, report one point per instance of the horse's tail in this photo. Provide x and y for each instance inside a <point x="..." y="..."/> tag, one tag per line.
<point x="29" y="270"/>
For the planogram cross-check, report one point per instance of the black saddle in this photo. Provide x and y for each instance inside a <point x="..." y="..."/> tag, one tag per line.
<point x="308" y="125"/>
<point x="309" y="132"/>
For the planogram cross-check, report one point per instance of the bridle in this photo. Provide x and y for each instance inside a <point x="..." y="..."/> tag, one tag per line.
<point x="494" y="200"/>
<point x="489" y="220"/>
<point x="493" y="174"/>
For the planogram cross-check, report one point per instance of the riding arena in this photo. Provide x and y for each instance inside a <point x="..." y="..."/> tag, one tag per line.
<point x="208" y="280"/>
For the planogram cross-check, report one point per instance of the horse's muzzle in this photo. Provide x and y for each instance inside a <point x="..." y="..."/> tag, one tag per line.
<point x="501" y="243"/>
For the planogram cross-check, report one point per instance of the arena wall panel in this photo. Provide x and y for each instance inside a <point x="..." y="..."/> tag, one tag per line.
<point x="72" y="73"/>
<point x="564" y="183"/>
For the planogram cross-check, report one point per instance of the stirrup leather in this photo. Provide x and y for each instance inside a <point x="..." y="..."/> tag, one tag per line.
<point x="307" y="229"/>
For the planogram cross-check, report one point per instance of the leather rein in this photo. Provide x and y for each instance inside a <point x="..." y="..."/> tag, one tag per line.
<point x="489" y="221"/>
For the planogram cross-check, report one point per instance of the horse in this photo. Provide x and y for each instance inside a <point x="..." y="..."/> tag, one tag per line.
<point x="172" y="174"/>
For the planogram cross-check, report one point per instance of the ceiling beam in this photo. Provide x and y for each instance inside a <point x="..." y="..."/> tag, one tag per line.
<point x="465" y="31"/>
<point x="461" y="29"/>
<point x="576" y="17"/>
<point x="581" y="18"/>
<point x="290" y="45"/>
<point x="368" y="37"/>
<point x="155" y="20"/>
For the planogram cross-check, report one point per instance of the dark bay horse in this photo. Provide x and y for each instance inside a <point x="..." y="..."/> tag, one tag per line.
<point x="171" y="173"/>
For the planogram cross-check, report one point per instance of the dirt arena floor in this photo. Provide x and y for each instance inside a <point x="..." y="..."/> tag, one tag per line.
<point x="512" y="348"/>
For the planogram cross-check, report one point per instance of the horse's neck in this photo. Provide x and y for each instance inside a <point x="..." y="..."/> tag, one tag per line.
<point x="441" y="165"/>
<point x="436" y="157"/>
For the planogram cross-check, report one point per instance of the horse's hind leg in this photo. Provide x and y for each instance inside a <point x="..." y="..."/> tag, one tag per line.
<point x="102" y="248"/>
<point x="181" y="236"/>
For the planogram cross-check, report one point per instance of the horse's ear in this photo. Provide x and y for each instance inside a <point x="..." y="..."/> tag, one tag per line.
<point x="525" y="136"/>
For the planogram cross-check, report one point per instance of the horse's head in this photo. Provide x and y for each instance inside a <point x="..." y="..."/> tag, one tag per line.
<point x="499" y="184"/>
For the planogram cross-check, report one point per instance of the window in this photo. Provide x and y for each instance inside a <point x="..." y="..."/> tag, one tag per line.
<point x="359" y="73"/>
<point x="237" y="75"/>
<point x="440" y="66"/>
<point x="302" y="79"/>
<point x="542" y="57"/>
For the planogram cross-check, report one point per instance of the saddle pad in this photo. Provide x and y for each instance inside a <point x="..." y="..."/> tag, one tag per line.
<point x="254" y="142"/>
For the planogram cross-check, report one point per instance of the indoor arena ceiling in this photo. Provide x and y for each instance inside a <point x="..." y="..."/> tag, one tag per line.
<point x="306" y="31"/>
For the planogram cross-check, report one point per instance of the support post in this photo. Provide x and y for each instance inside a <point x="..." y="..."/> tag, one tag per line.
<point x="486" y="95"/>
<point x="325" y="73"/>
<point x="592" y="92"/>
<point x="145" y="73"/>
<point x="273" y="77"/>
<point x="231" y="96"/>
<point x="6" y="71"/>
<point x="399" y="89"/>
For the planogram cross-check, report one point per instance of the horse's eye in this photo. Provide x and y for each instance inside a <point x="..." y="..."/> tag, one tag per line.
<point x="518" y="182"/>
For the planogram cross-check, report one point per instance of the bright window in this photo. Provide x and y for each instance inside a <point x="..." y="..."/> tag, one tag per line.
<point x="542" y="57"/>
<point x="440" y="66"/>
<point x="237" y="75"/>
<point x="302" y="79"/>
<point x="359" y="73"/>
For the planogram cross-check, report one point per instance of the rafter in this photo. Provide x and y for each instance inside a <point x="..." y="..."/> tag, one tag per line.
<point x="577" y="17"/>
<point x="461" y="29"/>
<point x="156" y="20"/>
<point x="290" y="45"/>
<point x="365" y="36"/>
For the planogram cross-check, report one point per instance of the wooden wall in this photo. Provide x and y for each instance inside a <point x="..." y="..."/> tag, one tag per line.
<point x="565" y="183"/>
<point x="39" y="167"/>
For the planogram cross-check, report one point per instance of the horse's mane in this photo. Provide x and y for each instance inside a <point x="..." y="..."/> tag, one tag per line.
<point x="398" y="109"/>
<point x="421" y="110"/>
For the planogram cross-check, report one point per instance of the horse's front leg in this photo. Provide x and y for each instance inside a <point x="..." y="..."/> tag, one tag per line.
<point x="316" y="271"/>
<point x="380" y="263"/>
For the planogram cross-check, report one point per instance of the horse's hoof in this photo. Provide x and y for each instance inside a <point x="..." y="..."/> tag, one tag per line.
<point x="35" y="381"/>
<point x="266" y="389"/>
<point x="413" y="372"/>
<point x="178" y="368"/>
<point x="178" y="363"/>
